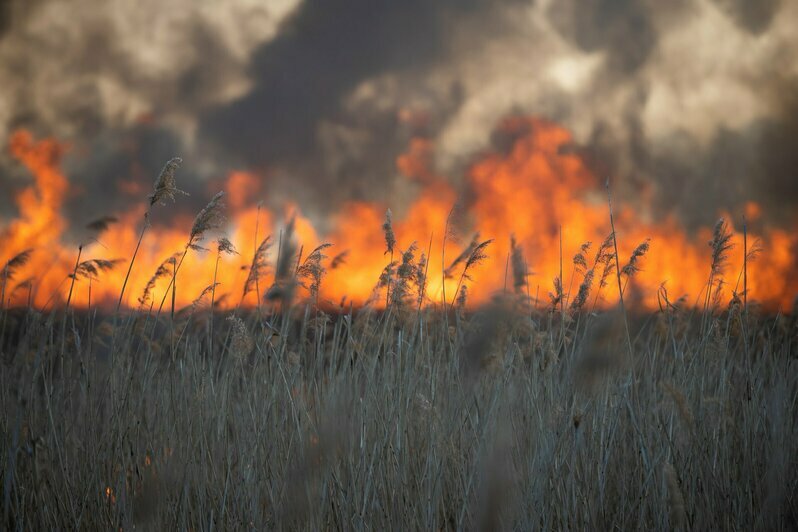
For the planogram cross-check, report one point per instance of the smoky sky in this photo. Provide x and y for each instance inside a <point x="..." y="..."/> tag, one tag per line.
<point x="303" y="75"/>
<point x="321" y="53"/>
<point x="691" y="99"/>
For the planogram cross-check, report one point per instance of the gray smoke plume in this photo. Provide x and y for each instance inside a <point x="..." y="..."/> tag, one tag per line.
<point x="690" y="102"/>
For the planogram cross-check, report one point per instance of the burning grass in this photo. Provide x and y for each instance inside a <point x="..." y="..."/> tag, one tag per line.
<point x="536" y="203"/>
<point x="416" y="403"/>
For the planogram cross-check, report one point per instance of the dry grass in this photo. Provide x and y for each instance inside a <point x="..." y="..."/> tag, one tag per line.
<point x="511" y="416"/>
<point x="308" y="420"/>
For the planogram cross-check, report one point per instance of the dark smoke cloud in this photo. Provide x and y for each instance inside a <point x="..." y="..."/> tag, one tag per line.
<point x="121" y="83"/>
<point x="755" y="17"/>
<point x="684" y="98"/>
<point x="777" y="156"/>
<point x="123" y="168"/>
<point x="622" y="28"/>
<point x="5" y="16"/>
<point x="303" y="76"/>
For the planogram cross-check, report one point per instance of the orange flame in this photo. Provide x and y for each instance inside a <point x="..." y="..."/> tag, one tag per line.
<point x="539" y="191"/>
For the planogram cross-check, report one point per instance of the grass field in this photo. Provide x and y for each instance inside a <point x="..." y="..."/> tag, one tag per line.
<point x="401" y="413"/>
<point x="500" y="417"/>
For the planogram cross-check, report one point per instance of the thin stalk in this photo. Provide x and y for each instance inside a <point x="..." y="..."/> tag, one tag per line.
<point x="213" y="298"/>
<point x="618" y="277"/>
<point x="3" y="305"/>
<point x="171" y="281"/>
<point x="132" y="260"/>
<point x="66" y="310"/>
<point x="562" y="296"/>
<point x="74" y="276"/>
<point x="426" y="271"/>
<point x="255" y="252"/>
<point x="506" y="266"/>
<point x="443" y="264"/>
<point x="388" y="286"/>
<point x="745" y="266"/>
<point x="174" y="289"/>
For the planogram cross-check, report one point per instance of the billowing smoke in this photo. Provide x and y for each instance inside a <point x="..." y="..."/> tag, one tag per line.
<point x="690" y="103"/>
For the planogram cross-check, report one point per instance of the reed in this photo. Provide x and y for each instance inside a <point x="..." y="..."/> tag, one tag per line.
<point x="304" y="415"/>
<point x="165" y="188"/>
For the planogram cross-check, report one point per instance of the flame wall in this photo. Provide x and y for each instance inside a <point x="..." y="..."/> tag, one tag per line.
<point x="536" y="188"/>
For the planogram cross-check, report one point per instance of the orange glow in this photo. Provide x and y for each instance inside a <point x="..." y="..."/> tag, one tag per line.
<point x="539" y="187"/>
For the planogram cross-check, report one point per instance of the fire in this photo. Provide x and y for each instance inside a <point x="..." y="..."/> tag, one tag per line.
<point x="540" y="191"/>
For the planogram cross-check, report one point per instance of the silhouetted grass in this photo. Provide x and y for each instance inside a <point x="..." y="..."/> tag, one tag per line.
<point x="303" y="419"/>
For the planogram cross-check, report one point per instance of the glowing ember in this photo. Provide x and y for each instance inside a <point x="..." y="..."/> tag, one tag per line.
<point x="540" y="191"/>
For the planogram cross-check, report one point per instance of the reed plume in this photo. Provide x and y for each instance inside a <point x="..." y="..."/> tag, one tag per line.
<point x="518" y="263"/>
<point x="604" y="248"/>
<point x="339" y="259"/>
<point x="720" y="244"/>
<point x="477" y="255"/>
<point x="313" y="270"/>
<point x="285" y="272"/>
<point x="24" y="284"/>
<point x="165" y="188"/>
<point x="632" y="267"/>
<point x="101" y="224"/>
<point x="462" y="297"/>
<point x="210" y="217"/>
<point x="241" y="343"/>
<point x="557" y="295"/>
<point x="160" y="272"/>
<point x="390" y="243"/>
<point x="258" y="266"/>
<point x="386" y="278"/>
<point x="405" y="275"/>
<point x="10" y="269"/>
<point x="165" y="184"/>
<point x="91" y="269"/>
<point x="462" y="257"/>
<point x="580" y="259"/>
<point x="223" y="245"/>
<point x="205" y="291"/>
<point x="421" y="279"/>
<point x="390" y="237"/>
<point x="583" y="292"/>
<point x="605" y="258"/>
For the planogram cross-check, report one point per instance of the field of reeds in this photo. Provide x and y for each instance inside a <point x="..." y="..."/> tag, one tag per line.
<point x="517" y="414"/>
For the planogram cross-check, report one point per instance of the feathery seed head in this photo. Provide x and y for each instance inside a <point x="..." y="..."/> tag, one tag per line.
<point x="519" y="266"/>
<point x="14" y="263"/>
<point x="165" y="186"/>
<point x="632" y="266"/>
<point x="258" y="266"/>
<point x="720" y="244"/>
<point x="241" y="343"/>
<point x="387" y="227"/>
<point x="210" y="217"/>
<point x="223" y="245"/>
<point x="101" y="224"/>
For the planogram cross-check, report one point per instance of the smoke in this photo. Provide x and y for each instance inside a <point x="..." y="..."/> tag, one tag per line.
<point x="327" y="90"/>
<point x="688" y="103"/>
<point x="122" y="83"/>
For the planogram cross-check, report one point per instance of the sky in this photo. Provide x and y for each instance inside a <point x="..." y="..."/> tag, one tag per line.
<point x="692" y="104"/>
